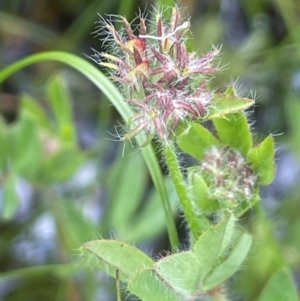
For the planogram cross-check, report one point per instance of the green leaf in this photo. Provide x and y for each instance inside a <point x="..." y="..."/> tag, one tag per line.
<point x="150" y="220"/>
<point x="234" y="130"/>
<point x="30" y="105"/>
<point x="280" y="287"/>
<point x="60" y="270"/>
<point x="197" y="141"/>
<point x="174" y="277"/>
<point x="200" y="192"/>
<point x="127" y="183"/>
<point x="11" y="197"/>
<point x="148" y="287"/>
<point x="73" y="226"/>
<point x="110" y="255"/>
<point x="212" y="244"/>
<point x="61" y="165"/>
<point x="62" y="107"/>
<point x="231" y="264"/>
<point x="26" y="148"/>
<point x="262" y="159"/>
<point x="181" y="272"/>
<point x="228" y="102"/>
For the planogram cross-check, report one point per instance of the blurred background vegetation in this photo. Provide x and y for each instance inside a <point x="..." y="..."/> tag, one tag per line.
<point x="67" y="181"/>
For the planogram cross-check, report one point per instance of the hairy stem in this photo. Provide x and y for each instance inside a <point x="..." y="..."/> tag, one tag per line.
<point x="182" y="190"/>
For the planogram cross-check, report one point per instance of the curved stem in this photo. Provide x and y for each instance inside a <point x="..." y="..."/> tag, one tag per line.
<point x="182" y="191"/>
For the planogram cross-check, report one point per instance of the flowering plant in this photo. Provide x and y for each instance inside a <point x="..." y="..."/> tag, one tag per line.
<point x="167" y="96"/>
<point x="161" y="80"/>
<point x="169" y="91"/>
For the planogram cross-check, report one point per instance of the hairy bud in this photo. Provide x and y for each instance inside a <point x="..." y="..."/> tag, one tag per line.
<point x="162" y="81"/>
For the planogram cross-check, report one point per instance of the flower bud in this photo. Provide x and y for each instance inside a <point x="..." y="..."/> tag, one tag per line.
<point x="163" y="82"/>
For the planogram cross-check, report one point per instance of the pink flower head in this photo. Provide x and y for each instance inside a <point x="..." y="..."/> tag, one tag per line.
<point x="162" y="81"/>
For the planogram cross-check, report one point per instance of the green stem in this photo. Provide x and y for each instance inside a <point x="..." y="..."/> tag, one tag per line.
<point x="118" y="285"/>
<point x="182" y="190"/>
<point x="160" y="186"/>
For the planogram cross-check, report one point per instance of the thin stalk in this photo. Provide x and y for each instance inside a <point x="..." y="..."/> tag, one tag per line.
<point x="182" y="190"/>
<point x="118" y="285"/>
<point x="160" y="186"/>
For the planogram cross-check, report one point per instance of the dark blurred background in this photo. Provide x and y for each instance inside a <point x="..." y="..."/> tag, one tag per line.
<point x="38" y="244"/>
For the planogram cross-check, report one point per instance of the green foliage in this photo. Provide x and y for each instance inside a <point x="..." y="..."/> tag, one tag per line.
<point x="103" y="83"/>
<point x="11" y="197"/>
<point x="180" y="276"/>
<point x="25" y="150"/>
<point x="234" y="130"/>
<point x="262" y="159"/>
<point x="35" y="153"/>
<point x="130" y="174"/>
<point x="111" y="255"/>
<point x="280" y="287"/>
<point x="232" y="263"/>
<point x="132" y="220"/>
<point x="36" y="112"/>
<point x="228" y="102"/>
<point x="202" y="139"/>
<point x="41" y="149"/>
<point x="61" y="105"/>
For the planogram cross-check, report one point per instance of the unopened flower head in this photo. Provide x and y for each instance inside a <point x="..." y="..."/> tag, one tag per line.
<point x="229" y="176"/>
<point x="162" y="81"/>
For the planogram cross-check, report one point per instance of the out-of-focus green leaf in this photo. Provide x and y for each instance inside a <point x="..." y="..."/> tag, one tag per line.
<point x="26" y="148"/>
<point x="17" y="26"/>
<point x="61" y="165"/>
<point x="30" y="105"/>
<point x="127" y="184"/>
<point x="111" y="255"/>
<point x="10" y="195"/>
<point x="280" y="287"/>
<point x="83" y="24"/>
<point x="234" y="130"/>
<point x="74" y="227"/>
<point x="62" y="107"/>
<point x="150" y="220"/>
<point x="60" y="270"/>
<point x="196" y="141"/>
<point x="292" y="109"/>
<point x="262" y="158"/>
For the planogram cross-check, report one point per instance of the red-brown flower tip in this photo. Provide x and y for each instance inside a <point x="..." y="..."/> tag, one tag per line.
<point x="161" y="79"/>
